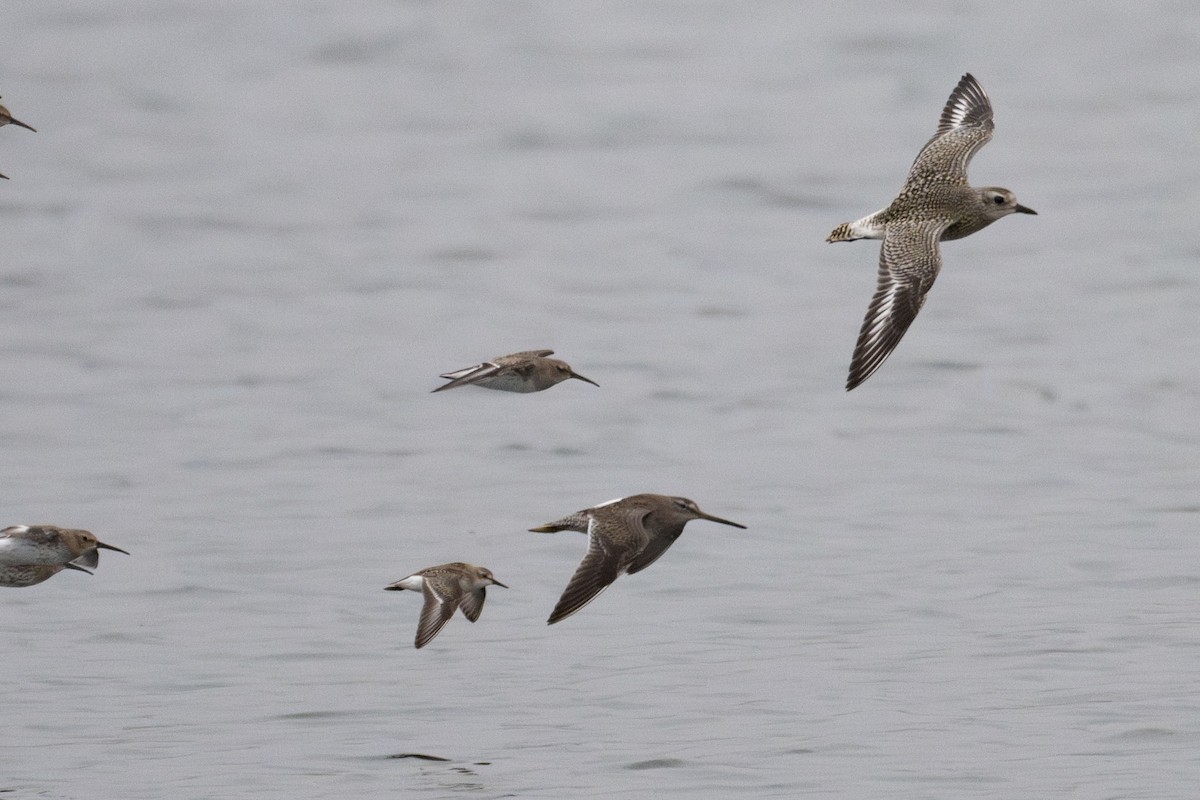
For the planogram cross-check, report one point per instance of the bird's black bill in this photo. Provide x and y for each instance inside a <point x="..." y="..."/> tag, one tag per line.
<point x="731" y="523"/>
<point x="1020" y="209"/>
<point x="110" y="547"/>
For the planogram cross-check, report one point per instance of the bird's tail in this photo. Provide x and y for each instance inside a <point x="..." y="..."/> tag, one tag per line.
<point x="842" y="233"/>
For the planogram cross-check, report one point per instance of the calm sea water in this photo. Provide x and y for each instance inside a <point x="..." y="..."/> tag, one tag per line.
<point x="248" y="236"/>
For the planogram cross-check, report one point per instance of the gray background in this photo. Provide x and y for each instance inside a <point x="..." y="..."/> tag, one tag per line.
<point x="248" y="236"/>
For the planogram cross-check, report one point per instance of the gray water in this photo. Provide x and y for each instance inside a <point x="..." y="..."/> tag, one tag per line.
<point x="248" y="236"/>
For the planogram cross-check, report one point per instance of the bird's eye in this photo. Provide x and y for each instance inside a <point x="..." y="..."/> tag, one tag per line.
<point x="998" y="200"/>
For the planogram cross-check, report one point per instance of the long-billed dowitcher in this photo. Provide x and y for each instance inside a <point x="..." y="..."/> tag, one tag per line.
<point x="530" y="371"/>
<point x="936" y="204"/>
<point x="447" y="587"/>
<point x="624" y="536"/>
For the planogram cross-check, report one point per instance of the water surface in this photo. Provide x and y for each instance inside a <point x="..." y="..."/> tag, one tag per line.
<point x="247" y="237"/>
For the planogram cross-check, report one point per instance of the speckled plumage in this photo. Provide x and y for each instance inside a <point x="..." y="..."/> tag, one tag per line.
<point x="528" y="371"/>
<point x="935" y="204"/>
<point x="447" y="587"/>
<point x="624" y="536"/>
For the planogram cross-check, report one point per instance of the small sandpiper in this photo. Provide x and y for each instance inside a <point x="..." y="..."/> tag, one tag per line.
<point x="624" y="536"/>
<point x="32" y="574"/>
<point x="530" y="371"/>
<point x="8" y="119"/>
<point x="32" y="545"/>
<point x="447" y="587"/>
<point x="936" y="204"/>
